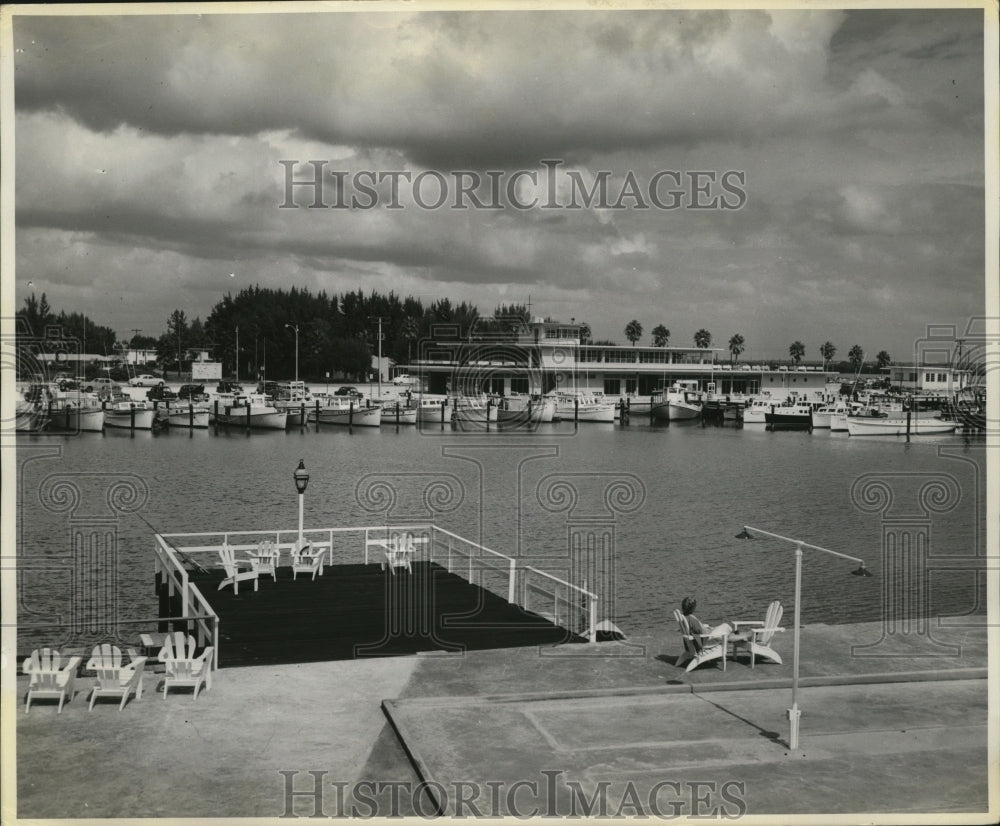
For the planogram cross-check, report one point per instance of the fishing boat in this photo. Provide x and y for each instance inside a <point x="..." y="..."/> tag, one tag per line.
<point x="584" y="408"/>
<point x="253" y="410"/>
<point x="897" y="425"/>
<point x="184" y="414"/>
<point x="80" y="414"/>
<point x="341" y="410"/>
<point x="790" y="414"/>
<point x="432" y="409"/>
<point x="823" y="416"/>
<point x="293" y="397"/>
<point x="397" y="411"/>
<point x="124" y="412"/>
<point x="525" y="416"/>
<point x="683" y="400"/>
<point x="755" y="410"/>
<point x="31" y="412"/>
<point x="470" y="412"/>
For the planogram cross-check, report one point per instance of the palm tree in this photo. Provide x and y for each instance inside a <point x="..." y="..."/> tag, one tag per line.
<point x="410" y="330"/>
<point x="633" y="331"/>
<point x="737" y="344"/>
<point x="856" y="356"/>
<point x="584" y="332"/>
<point x="797" y="350"/>
<point x="703" y="338"/>
<point x="827" y="351"/>
<point x="882" y="359"/>
<point x="661" y="335"/>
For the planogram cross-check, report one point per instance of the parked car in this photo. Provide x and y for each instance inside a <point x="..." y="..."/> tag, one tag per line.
<point x="145" y="380"/>
<point x="402" y="379"/>
<point x="195" y="392"/>
<point x="102" y="386"/>
<point x="228" y="387"/>
<point x="160" y="393"/>
<point x="68" y="384"/>
<point x="347" y="390"/>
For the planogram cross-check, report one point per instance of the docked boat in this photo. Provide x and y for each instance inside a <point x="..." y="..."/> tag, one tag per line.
<point x="469" y="412"/>
<point x="683" y="400"/>
<point x="584" y="408"/>
<point x="524" y="416"/>
<point x="124" y="412"/>
<point x="251" y="411"/>
<point x="896" y="425"/>
<point x="790" y="414"/>
<point x="293" y="397"/>
<point x="433" y="410"/>
<point x="823" y="416"/>
<point x="341" y="410"/>
<point x="77" y="414"/>
<point x="397" y="411"/>
<point x="31" y="413"/>
<point x="755" y="410"/>
<point x="184" y="414"/>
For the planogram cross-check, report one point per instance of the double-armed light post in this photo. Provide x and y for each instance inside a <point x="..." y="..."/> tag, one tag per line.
<point x="295" y="327"/>
<point x="301" y="477"/>
<point x="748" y="533"/>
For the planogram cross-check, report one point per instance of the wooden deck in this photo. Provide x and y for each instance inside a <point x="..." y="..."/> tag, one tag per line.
<point x="354" y="611"/>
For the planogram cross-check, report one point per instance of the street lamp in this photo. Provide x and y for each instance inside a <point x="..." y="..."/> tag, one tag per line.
<point x="301" y="477"/>
<point x="295" y="327"/>
<point x="861" y="570"/>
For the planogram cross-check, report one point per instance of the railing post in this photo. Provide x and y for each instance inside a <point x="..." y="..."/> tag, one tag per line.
<point x="592" y="630"/>
<point x="449" y="554"/>
<point x="366" y="546"/>
<point x="511" y="580"/>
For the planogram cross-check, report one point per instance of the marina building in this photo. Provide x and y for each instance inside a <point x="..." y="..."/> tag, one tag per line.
<point x="543" y="356"/>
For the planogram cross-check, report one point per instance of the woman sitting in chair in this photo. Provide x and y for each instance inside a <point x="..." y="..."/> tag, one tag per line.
<point x="698" y="628"/>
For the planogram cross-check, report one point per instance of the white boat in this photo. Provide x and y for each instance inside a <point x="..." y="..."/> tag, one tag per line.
<point x="185" y="415"/>
<point x="433" y="410"/>
<point x="526" y="416"/>
<point x="584" y="408"/>
<point x="31" y="412"/>
<point x="341" y="410"/>
<point x="823" y="416"/>
<point x="252" y="411"/>
<point x="128" y="414"/>
<point x="681" y="401"/>
<point x="471" y="412"/>
<point x="754" y="412"/>
<point x="396" y="411"/>
<point x="895" y="425"/>
<point x="83" y="415"/>
<point x="291" y="396"/>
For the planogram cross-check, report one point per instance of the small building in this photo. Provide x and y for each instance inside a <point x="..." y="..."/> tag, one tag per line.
<point x="937" y="379"/>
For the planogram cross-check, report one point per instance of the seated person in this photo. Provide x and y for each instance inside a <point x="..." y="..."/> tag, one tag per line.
<point x="697" y="627"/>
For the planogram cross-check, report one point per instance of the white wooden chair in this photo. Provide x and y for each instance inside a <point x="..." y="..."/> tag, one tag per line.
<point x="757" y="639"/>
<point x="183" y="668"/>
<point x="234" y="572"/>
<point x="265" y="559"/>
<point x="113" y="678"/>
<point x="707" y="648"/>
<point x="399" y="552"/>
<point x="49" y="678"/>
<point x="307" y="560"/>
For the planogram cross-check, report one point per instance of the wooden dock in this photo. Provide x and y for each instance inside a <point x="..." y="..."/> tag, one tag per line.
<point x="358" y="610"/>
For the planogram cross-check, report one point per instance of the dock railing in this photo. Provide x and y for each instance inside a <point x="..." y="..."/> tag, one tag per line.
<point x="565" y="604"/>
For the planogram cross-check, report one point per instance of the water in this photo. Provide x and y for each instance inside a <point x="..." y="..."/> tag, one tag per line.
<point x="677" y="497"/>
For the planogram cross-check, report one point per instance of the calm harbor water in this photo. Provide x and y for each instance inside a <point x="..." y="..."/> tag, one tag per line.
<point x="675" y="495"/>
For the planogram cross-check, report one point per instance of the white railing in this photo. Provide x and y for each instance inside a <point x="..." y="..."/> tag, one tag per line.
<point x="193" y="603"/>
<point x="564" y="603"/>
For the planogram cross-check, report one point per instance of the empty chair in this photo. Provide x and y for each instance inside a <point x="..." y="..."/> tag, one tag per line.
<point x="113" y="678"/>
<point x="706" y="649"/>
<point x="399" y="552"/>
<point x="234" y="574"/>
<point x="183" y="668"/>
<point x="265" y="560"/>
<point x="49" y="678"/>
<point x="307" y="560"/>
<point x="757" y="635"/>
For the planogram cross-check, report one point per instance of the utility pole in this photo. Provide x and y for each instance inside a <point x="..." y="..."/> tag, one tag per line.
<point x="379" y="368"/>
<point x="237" y="354"/>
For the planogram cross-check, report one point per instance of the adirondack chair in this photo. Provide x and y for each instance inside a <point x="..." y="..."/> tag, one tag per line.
<point x="49" y="678"/>
<point x="757" y="639"/>
<point x="265" y="559"/>
<point x="183" y="668"/>
<point x="232" y="566"/>
<point x="113" y="678"/>
<point x="399" y="552"/>
<point x="307" y="560"/>
<point x="712" y="648"/>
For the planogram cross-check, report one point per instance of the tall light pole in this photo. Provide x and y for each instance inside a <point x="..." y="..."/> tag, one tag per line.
<point x="295" y="327"/>
<point x="237" y="354"/>
<point x="861" y="570"/>
<point x="301" y="478"/>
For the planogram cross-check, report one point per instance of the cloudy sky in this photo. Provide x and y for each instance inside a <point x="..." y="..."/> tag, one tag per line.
<point x="148" y="154"/>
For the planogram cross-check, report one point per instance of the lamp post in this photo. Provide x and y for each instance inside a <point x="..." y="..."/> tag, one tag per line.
<point x="301" y="477"/>
<point x="295" y="327"/>
<point x="861" y="570"/>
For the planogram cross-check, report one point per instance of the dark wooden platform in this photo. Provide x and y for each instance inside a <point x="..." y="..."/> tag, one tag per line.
<point x="355" y="611"/>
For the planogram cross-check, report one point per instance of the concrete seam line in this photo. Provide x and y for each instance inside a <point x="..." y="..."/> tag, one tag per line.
<point x="418" y="763"/>
<point x="856" y="679"/>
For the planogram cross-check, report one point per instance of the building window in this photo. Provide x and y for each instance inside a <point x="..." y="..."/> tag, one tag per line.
<point x="942" y="377"/>
<point x="612" y="387"/>
<point x="519" y="385"/>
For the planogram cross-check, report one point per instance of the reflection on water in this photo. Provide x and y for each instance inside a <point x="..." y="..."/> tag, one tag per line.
<point x="694" y="487"/>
